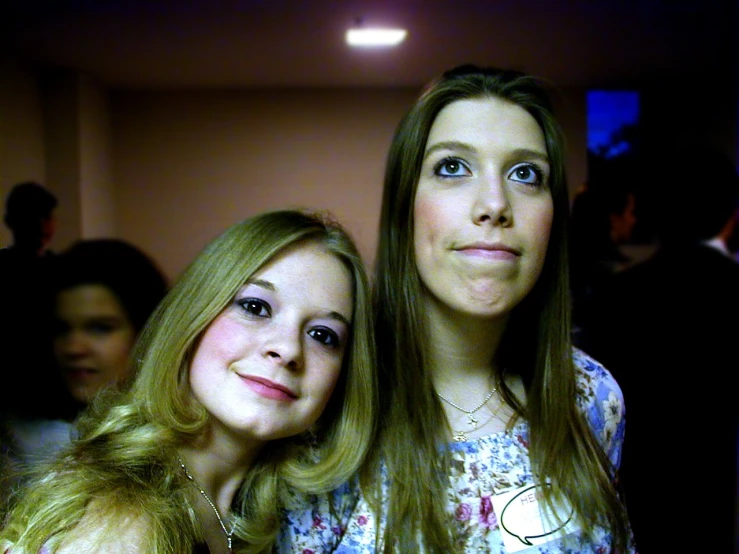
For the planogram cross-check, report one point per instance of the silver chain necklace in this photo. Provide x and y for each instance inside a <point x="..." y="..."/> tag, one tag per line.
<point x="229" y="534"/>
<point x="472" y="421"/>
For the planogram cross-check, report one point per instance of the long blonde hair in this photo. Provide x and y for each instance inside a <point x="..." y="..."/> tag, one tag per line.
<point x="536" y="343"/>
<point x="127" y="451"/>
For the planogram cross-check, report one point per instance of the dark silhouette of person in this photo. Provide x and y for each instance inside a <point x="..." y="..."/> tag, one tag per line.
<point x="25" y="269"/>
<point x="667" y="329"/>
<point x="602" y="220"/>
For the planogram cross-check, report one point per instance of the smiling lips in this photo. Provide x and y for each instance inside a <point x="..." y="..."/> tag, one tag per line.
<point x="268" y="389"/>
<point x="79" y="373"/>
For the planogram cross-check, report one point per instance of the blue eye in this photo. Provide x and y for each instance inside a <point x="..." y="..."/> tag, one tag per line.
<point x="325" y="336"/>
<point x="255" y="307"/>
<point x="527" y="173"/>
<point x="451" y="167"/>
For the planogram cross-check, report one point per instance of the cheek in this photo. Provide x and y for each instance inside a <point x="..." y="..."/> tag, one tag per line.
<point x="429" y="220"/>
<point x="219" y="342"/>
<point x="541" y="230"/>
<point x="117" y="349"/>
<point x="324" y="383"/>
<point x="218" y="335"/>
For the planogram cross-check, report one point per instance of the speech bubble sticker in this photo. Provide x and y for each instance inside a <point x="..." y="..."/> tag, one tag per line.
<point x="525" y="522"/>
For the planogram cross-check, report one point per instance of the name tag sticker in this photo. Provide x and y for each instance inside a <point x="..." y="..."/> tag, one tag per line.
<point x="525" y="522"/>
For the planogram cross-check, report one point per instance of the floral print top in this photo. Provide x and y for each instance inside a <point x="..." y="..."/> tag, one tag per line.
<point x="491" y="493"/>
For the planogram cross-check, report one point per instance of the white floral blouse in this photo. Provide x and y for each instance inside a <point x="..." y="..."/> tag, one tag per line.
<point x="491" y="493"/>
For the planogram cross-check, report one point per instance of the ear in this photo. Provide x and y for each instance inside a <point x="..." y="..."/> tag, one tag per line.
<point x="729" y="228"/>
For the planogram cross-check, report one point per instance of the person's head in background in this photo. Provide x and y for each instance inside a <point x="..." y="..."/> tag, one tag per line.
<point x="693" y="197"/>
<point x="29" y="214"/>
<point x="105" y="290"/>
<point x="732" y="238"/>
<point x="604" y="212"/>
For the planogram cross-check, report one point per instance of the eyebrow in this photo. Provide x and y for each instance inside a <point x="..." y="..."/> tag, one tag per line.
<point x="458" y="145"/>
<point x="270" y="286"/>
<point x="261" y="283"/>
<point x="448" y="145"/>
<point x="337" y="316"/>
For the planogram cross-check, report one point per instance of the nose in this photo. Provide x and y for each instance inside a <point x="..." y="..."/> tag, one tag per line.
<point x="285" y="348"/>
<point x="492" y="205"/>
<point x="72" y="344"/>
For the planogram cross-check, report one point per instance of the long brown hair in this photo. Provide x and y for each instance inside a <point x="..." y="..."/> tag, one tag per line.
<point x="536" y="343"/>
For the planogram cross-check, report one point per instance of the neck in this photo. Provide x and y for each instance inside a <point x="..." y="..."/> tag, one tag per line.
<point x="463" y="347"/>
<point x="218" y="468"/>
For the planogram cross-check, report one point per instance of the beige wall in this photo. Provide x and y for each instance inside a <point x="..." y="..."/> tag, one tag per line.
<point x="54" y="129"/>
<point x="187" y="165"/>
<point x="78" y="156"/>
<point x="170" y="170"/>
<point x="21" y="129"/>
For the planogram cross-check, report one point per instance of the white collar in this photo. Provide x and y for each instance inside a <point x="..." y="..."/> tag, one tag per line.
<point x="718" y="244"/>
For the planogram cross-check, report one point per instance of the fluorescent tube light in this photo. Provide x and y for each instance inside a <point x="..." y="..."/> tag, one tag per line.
<point x="375" y="37"/>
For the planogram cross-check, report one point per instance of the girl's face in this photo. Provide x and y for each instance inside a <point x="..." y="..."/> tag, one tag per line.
<point x="267" y="365"/>
<point x="483" y="209"/>
<point x="93" y="338"/>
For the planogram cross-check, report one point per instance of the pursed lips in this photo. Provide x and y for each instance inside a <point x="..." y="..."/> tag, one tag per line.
<point x="492" y="250"/>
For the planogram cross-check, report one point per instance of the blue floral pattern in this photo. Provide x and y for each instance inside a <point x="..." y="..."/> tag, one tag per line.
<point x="481" y="468"/>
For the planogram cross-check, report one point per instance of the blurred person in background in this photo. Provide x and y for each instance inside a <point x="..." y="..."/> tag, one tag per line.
<point x="102" y="293"/>
<point x="602" y="221"/>
<point x="667" y="329"/>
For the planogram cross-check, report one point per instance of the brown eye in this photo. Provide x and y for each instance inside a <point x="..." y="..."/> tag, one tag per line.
<point x="325" y="336"/>
<point x="255" y="306"/>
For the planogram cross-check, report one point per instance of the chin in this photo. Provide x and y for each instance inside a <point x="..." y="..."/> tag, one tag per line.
<point x="487" y="307"/>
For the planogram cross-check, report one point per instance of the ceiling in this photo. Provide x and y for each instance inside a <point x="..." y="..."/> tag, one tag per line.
<point x="149" y="44"/>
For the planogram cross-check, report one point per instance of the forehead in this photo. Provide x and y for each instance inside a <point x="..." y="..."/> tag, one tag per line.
<point x="488" y="120"/>
<point x="89" y="300"/>
<point x="309" y="273"/>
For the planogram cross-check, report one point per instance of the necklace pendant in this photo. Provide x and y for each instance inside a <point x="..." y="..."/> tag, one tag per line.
<point x="472" y="420"/>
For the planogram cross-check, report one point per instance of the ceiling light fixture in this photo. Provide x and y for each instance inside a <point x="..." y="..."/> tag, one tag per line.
<point x="376" y="36"/>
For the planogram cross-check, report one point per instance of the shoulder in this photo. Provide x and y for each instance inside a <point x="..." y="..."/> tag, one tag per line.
<point x="593" y="379"/>
<point x="6" y="258"/>
<point x="316" y="522"/>
<point x="40" y="437"/>
<point x="103" y="531"/>
<point x="601" y="400"/>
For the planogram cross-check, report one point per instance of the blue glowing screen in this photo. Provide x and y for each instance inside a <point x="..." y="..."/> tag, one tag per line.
<point x="612" y="119"/>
